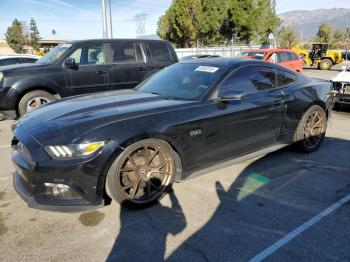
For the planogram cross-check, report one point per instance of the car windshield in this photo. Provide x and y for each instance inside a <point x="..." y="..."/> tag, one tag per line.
<point x="54" y="54"/>
<point x="255" y="55"/>
<point x="183" y="81"/>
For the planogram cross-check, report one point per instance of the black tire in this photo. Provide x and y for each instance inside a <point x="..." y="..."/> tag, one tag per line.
<point x="326" y="64"/>
<point x="314" y="120"/>
<point x="133" y="182"/>
<point x="33" y="100"/>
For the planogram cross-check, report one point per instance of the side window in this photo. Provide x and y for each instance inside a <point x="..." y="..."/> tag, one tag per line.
<point x="251" y="79"/>
<point x="89" y="55"/>
<point x="273" y="58"/>
<point x="160" y="52"/>
<point x="28" y="60"/>
<point x="293" y="56"/>
<point x="10" y="61"/>
<point x="283" y="57"/>
<point x="127" y="52"/>
<point x="284" y="78"/>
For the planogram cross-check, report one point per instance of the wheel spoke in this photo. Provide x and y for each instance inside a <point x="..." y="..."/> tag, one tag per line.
<point x="134" y="188"/>
<point x="132" y="161"/>
<point x="127" y="169"/>
<point x="152" y="156"/>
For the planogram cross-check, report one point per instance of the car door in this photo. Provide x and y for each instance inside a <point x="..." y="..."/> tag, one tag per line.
<point x="90" y="73"/>
<point x="126" y="64"/>
<point x="234" y="128"/>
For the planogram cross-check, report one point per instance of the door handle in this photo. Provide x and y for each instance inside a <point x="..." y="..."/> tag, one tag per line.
<point x="101" y="72"/>
<point x="141" y="69"/>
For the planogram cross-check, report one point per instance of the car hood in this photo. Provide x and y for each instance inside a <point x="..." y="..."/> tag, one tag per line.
<point x="71" y="118"/>
<point x="343" y="76"/>
<point x="16" y="67"/>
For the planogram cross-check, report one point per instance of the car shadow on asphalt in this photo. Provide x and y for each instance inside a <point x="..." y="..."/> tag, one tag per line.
<point x="270" y="197"/>
<point x="143" y="239"/>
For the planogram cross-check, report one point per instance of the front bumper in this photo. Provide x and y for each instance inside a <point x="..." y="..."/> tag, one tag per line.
<point x="35" y="170"/>
<point x="43" y="202"/>
<point x="342" y="98"/>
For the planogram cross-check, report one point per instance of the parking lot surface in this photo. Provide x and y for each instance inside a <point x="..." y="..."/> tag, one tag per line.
<point x="237" y="213"/>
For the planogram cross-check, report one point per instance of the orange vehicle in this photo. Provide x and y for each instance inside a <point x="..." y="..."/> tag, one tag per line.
<point x="285" y="57"/>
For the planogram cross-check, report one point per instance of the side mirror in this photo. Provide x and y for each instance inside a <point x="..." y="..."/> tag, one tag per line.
<point x="70" y="63"/>
<point x="228" y="94"/>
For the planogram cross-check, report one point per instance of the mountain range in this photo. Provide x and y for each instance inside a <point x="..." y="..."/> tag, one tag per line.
<point x="308" y="22"/>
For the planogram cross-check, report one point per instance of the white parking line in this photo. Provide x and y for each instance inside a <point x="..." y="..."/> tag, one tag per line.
<point x="274" y="247"/>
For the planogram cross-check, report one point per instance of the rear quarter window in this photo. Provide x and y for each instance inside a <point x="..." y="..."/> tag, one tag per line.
<point x="160" y="52"/>
<point x="284" y="78"/>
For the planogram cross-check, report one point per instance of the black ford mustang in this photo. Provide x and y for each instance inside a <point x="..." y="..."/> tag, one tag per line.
<point x="131" y="145"/>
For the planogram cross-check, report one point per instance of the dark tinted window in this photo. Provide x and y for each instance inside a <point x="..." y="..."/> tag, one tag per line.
<point x="160" y="52"/>
<point x="283" y="57"/>
<point x="126" y="52"/>
<point x="251" y="79"/>
<point x="10" y="61"/>
<point x="28" y="60"/>
<point x="284" y="78"/>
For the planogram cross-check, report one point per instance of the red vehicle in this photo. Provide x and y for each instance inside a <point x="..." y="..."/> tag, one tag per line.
<point x="285" y="57"/>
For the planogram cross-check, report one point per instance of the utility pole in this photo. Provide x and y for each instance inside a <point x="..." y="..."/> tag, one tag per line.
<point x="110" y="20"/>
<point x="104" y="20"/>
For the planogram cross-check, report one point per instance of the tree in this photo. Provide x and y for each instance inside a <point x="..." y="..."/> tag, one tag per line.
<point x="14" y="36"/>
<point x="34" y="35"/>
<point x="180" y="23"/>
<point x="187" y="22"/>
<point x="325" y="34"/>
<point x="212" y="16"/>
<point x="339" y="38"/>
<point x="250" y="20"/>
<point x="288" y="37"/>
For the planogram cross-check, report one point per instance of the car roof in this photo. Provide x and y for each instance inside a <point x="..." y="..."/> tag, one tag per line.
<point x="106" y="40"/>
<point x="270" y="50"/>
<point x="20" y="56"/>
<point x="233" y="63"/>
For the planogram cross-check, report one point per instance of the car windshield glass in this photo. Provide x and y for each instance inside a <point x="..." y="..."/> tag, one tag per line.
<point x="255" y="55"/>
<point x="183" y="81"/>
<point x="54" y="54"/>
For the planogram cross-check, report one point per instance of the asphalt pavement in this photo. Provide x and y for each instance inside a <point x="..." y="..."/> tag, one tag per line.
<point x="284" y="206"/>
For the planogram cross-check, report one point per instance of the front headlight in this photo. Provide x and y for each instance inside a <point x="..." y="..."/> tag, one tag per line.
<point x="1" y="76"/>
<point x="74" y="151"/>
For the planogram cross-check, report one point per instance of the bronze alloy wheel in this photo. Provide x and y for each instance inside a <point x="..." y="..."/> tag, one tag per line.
<point x="314" y="129"/>
<point x="142" y="173"/>
<point x="311" y="129"/>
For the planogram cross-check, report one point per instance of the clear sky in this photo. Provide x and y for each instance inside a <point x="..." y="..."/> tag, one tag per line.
<point x="80" y="19"/>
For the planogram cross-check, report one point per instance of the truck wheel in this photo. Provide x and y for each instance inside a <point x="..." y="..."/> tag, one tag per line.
<point x="142" y="174"/>
<point x="311" y="130"/>
<point x="326" y="64"/>
<point x="33" y="100"/>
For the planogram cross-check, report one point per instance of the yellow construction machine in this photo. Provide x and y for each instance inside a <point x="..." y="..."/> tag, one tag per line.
<point x="320" y="56"/>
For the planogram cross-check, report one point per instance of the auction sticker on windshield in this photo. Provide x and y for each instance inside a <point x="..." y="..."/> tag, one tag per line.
<point x="208" y="69"/>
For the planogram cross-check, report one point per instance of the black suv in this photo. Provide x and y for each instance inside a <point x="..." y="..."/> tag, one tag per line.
<point x="80" y="67"/>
